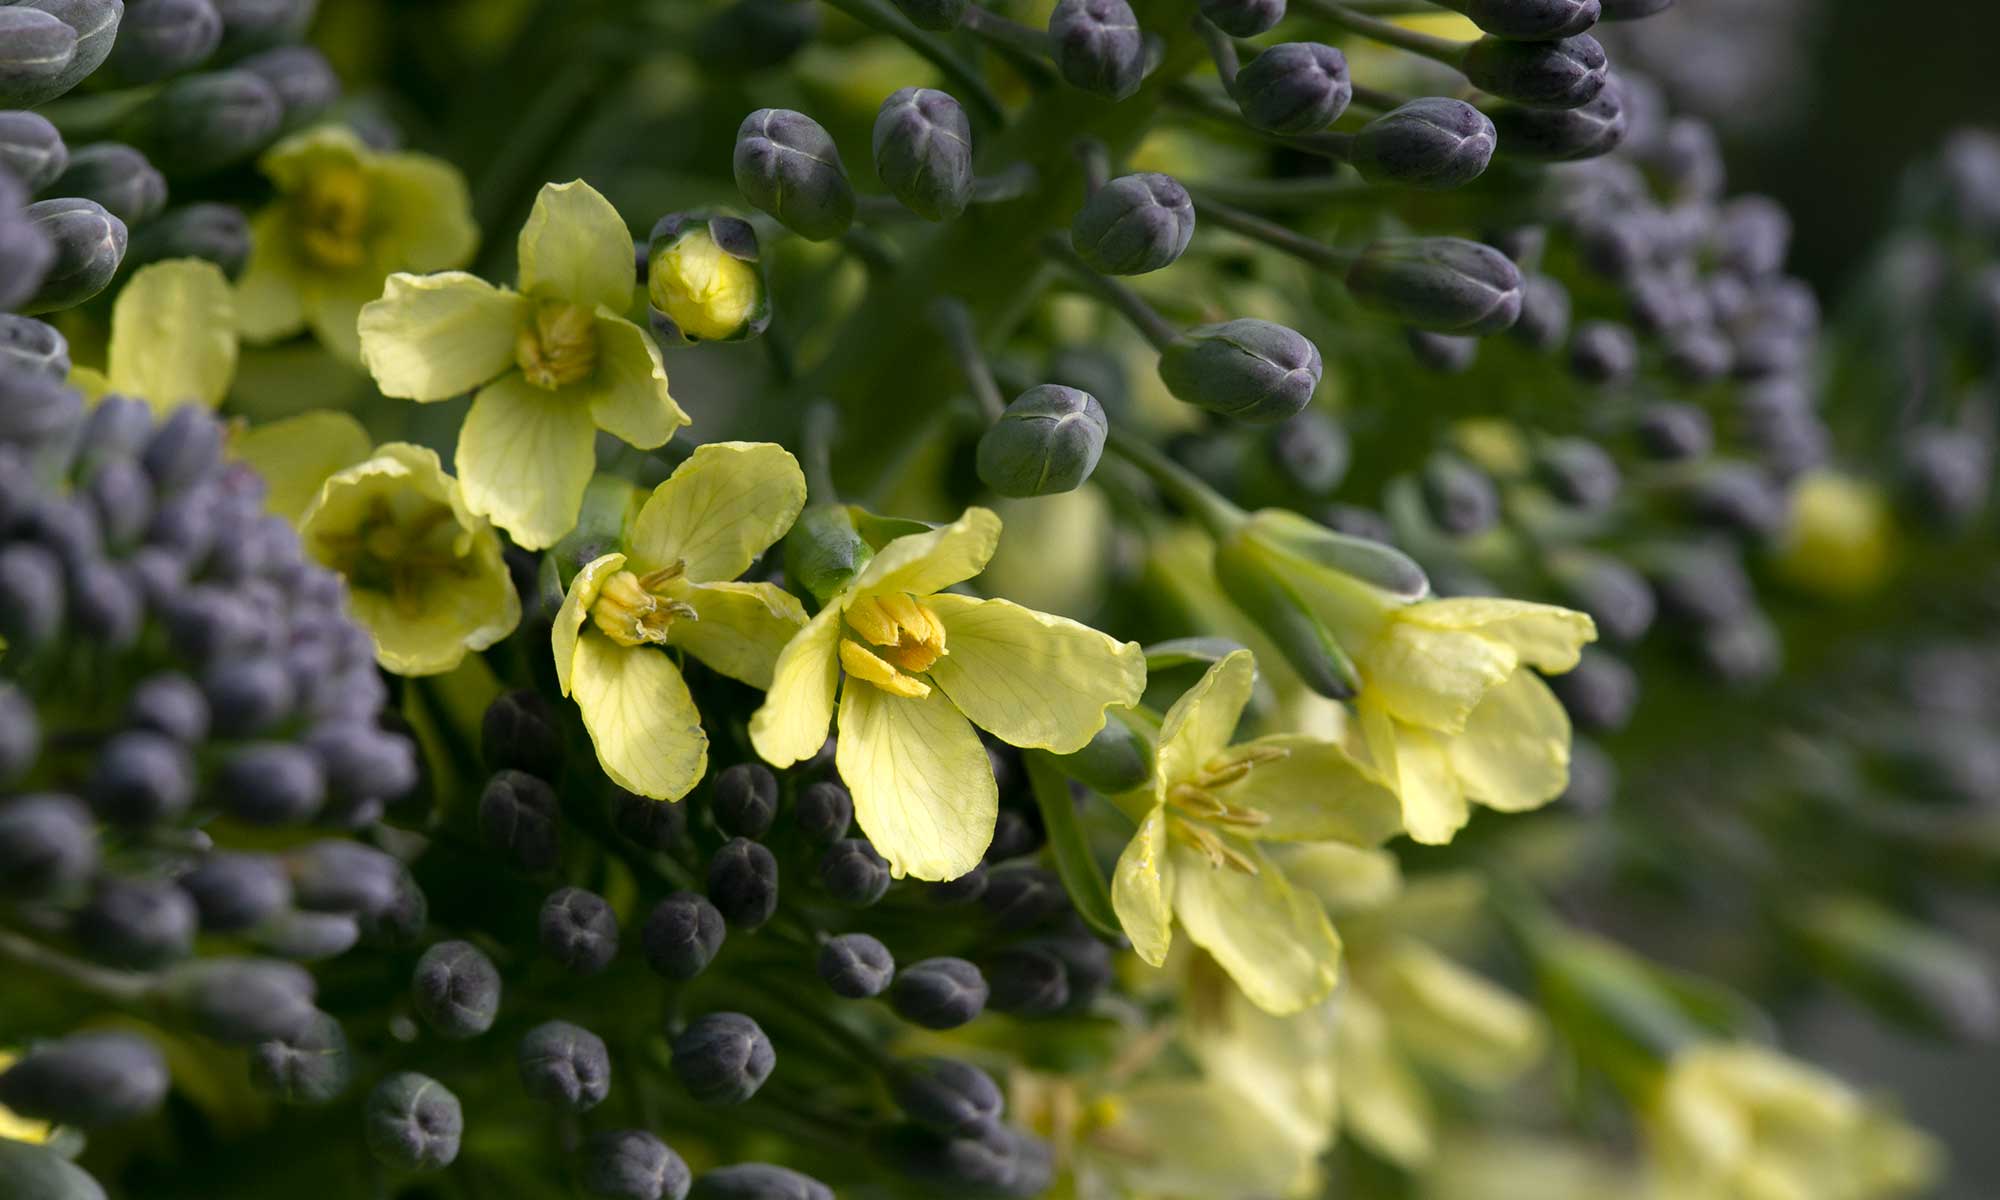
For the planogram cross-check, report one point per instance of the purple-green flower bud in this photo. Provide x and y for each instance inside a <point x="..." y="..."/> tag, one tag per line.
<point x="1434" y="143"/>
<point x="1244" y="18"/>
<point x="1134" y="224"/>
<point x="758" y="1181"/>
<point x="723" y="1058"/>
<point x="241" y="1001"/>
<point x="219" y="233"/>
<point x="787" y="165"/>
<point x="456" y="990"/>
<point x="308" y="1066"/>
<point x="32" y="148"/>
<point x="304" y="81"/>
<point x="86" y="1079"/>
<point x="414" y="1123"/>
<point x="1561" y="134"/>
<point x="1529" y="20"/>
<point x="1562" y="74"/>
<point x="1099" y="46"/>
<point x="1442" y="284"/>
<point x="1048" y="441"/>
<point x="254" y="24"/>
<point x="36" y="49"/>
<point x="1249" y="369"/>
<point x="565" y="1065"/>
<point x="48" y="846"/>
<point x="947" y="1095"/>
<point x="95" y="23"/>
<point x="939" y="993"/>
<point x="631" y="1164"/>
<point x="162" y="38"/>
<point x="89" y="244"/>
<point x="201" y="123"/>
<point x="923" y="152"/>
<point x="1293" y="87"/>
<point x="856" y="966"/>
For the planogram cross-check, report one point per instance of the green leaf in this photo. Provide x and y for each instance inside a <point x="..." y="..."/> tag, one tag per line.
<point x="1074" y="861"/>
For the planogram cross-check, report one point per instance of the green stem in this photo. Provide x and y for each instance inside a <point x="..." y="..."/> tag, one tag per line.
<point x="1444" y="50"/>
<point x="1026" y="47"/>
<point x="1307" y="250"/>
<point x="821" y="424"/>
<point x="950" y="316"/>
<point x="1336" y="146"/>
<point x="121" y="986"/>
<point x="1309" y="192"/>
<point x="1130" y="305"/>
<point x="1217" y="515"/>
<point x="968" y="85"/>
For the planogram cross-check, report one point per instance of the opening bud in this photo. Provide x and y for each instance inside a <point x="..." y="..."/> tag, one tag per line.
<point x="705" y="279"/>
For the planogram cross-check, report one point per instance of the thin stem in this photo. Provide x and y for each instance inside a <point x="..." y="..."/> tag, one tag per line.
<point x="1376" y="99"/>
<point x="969" y="87"/>
<point x="1305" y="249"/>
<point x="1222" y="48"/>
<point x="1012" y="183"/>
<point x="951" y="317"/>
<point x="1150" y="324"/>
<point x="1007" y="33"/>
<point x="1374" y="29"/>
<point x="1216" y="514"/>
<point x="1096" y="162"/>
<point x="877" y="254"/>
<point x="1306" y="192"/>
<point x="123" y="986"/>
<point x="1336" y="146"/>
<point x="822" y="422"/>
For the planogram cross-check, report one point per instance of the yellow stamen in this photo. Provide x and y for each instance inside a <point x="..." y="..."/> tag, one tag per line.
<point x="903" y="630"/>
<point x="1218" y="852"/>
<point x="634" y="611"/>
<point x="558" y="345"/>
<point x="859" y="662"/>
<point x="331" y="212"/>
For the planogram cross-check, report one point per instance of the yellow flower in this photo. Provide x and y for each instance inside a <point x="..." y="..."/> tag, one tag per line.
<point x="1742" y="1122"/>
<point x="703" y="279"/>
<point x="425" y="576"/>
<point x="1524" y="1167"/>
<point x="1839" y="538"/>
<point x="173" y="338"/>
<point x="695" y="534"/>
<point x="922" y="667"/>
<point x="18" y="1128"/>
<point x="553" y="363"/>
<point x="1196" y="856"/>
<point x="345" y="217"/>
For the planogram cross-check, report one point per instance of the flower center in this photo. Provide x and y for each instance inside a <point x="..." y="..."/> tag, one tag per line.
<point x="1195" y="806"/>
<point x="332" y="214"/>
<point x="636" y="610"/>
<point x="398" y="551"/>
<point x="558" y="345"/>
<point x="897" y="637"/>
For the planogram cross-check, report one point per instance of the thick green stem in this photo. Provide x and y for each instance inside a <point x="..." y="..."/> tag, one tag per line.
<point x="1204" y="503"/>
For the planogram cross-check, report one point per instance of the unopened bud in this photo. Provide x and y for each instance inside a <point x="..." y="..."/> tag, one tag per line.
<point x="32" y="148"/>
<point x="162" y="38"/>
<point x="414" y="1123"/>
<point x="201" y="123"/>
<point x="1434" y="143"/>
<point x="939" y="993"/>
<point x="1293" y="87"/>
<point x="1099" y="46"/>
<point x="89" y="244"/>
<point x="1529" y="20"/>
<point x="723" y="1058"/>
<point x="1134" y="224"/>
<point x="86" y="1079"/>
<point x="1249" y="369"/>
<point x="1244" y="18"/>
<point x="1562" y="74"/>
<point x="1048" y="441"/>
<point x="1442" y="284"/>
<point x="565" y="1065"/>
<point x="787" y="164"/>
<point x="856" y="966"/>
<point x="631" y="1164"/>
<point x="923" y="152"/>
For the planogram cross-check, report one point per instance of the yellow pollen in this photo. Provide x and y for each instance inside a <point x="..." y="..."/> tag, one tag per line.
<point x="858" y="661"/>
<point x="903" y="631"/>
<point x="332" y="215"/>
<point x="635" y="611"/>
<point x="558" y="345"/>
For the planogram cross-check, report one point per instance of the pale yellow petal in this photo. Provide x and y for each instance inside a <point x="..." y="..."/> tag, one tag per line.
<point x="1454" y="1021"/>
<point x="432" y="337"/>
<point x="1199" y="1139"/>
<point x="1274" y="940"/>
<point x="576" y="248"/>
<point x="1418" y="769"/>
<point x="575" y="611"/>
<point x="524" y="459"/>
<point x="922" y="563"/>
<point x="1545" y="636"/>
<point x="268" y="301"/>
<point x="1434" y="677"/>
<point x="640" y="716"/>
<point x="427" y="211"/>
<point x="1142" y="890"/>
<point x="1382" y="1102"/>
<point x="923" y="787"/>
<point x="333" y="310"/>
<point x="724" y="506"/>
<point x="1202" y="720"/>
<point x="173" y="335"/>
<point x="296" y="455"/>
<point x="1031" y="679"/>
<point x="1316" y="792"/>
<point x="798" y="707"/>
<point x="740" y="628"/>
<point x="628" y="395"/>
<point x="1514" y="753"/>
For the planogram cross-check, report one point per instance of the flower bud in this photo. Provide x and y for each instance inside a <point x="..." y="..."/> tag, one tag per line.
<point x="682" y="935"/>
<point x="723" y="1058"/>
<point x="1442" y="284"/>
<point x="170" y="705"/>
<point x="520" y="731"/>
<point x="31" y="595"/>
<point x="1000" y="1162"/>
<point x="183" y="449"/>
<point x="1047" y="442"/>
<point x="1579" y="472"/>
<point x="1460" y="499"/>
<point x="1946" y="475"/>
<point x="1545" y="311"/>
<point x="923" y="152"/>
<point x="341" y="876"/>
<point x="304" y="81"/>
<point x="48" y="846"/>
<point x="823" y="812"/>
<point x="1529" y="20"/>
<point x="1014" y="835"/>
<point x="248" y="696"/>
<point x="1099" y="46"/>
<point x="35" y="348"/>
<point x="1244" y="18"/>
<point x="853" y="873"/>
<point x="122" y="496"/>
<point x="518" y="816"/>
<point x="1561" y="74"/>
<point x="939" y="993"/>
<point x="89" y="244"/>
<point x="201" y="123"/>
<point x="252" y="24"/>
<point x="1561" y="134"/>
<point x="309" y="1066"/>
<point x="743" y="883"/>
<point x="162" y="38"/>
<point x="456" y="990"/>
<point x="1027" y="981"/>
<point x="565" y="1065"/>
<point x="36" y="50"/>
<point x="1738" y="497"/>
<point x="656" y="826"/>
<point x="758" y="1181"/>
<point x="217" y="233"/>
<point x="1603" y="352"/>
<point x="272" y="783"/>
<point x="413" y="1122"/>
<point x="240" y="1001"/>
<point x="235" y="892"/>
<point x="937" y="16"/>
<point x="856" y="966"/>
<point x="745" y="801"/>
<point x="1599" y="693"/>
<point x="1293" y="87"/>
<point x="86" y="1079"/>
<point x="631" y="1164"/>
<point x="140" y="778"/>
<point x="1632" y="10"/>
<point x="399" y="924"/>
<point x="1249" y="369"/>
<point x="136" y="923"/>
<point x="1433" y="143"/>
<point x="705" y="279"/>
<point x="579" y="930"/>
<point x="26" y="253"/>
<point x="32" y="148"/>
<point x="1022" y="897"/>
<point x="1673" y="432"/>
<point x="118" y="177"/>
<point x="1134" y="224"/>
<point x="947" y="1096"/>
<point x="787" y="164"/>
